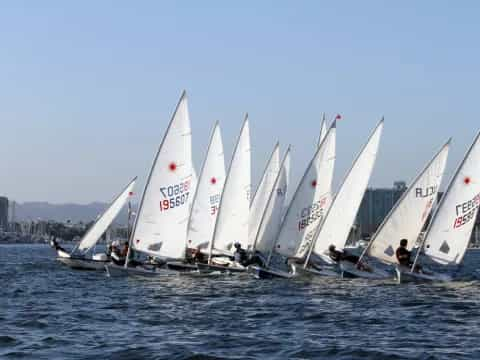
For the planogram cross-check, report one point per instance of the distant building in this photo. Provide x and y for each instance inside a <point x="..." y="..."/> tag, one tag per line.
<point x="3" y="213"/>
<point x="375" y="206"/>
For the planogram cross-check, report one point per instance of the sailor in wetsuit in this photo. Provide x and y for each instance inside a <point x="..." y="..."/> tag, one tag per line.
<point x="240" y="255"/>
<point x="404" y="256"/>
<point x="337" y="255"/>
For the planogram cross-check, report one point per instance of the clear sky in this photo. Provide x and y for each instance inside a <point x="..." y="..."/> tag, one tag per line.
<point x="87" y="87"/>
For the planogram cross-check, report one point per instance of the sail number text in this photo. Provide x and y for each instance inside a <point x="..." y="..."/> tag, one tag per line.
<point x="466" y="211"/>
<point x="174" y="195"/>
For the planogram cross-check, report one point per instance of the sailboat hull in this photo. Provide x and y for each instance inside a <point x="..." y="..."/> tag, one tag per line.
<point x="150" y="271"/>
<point x="263" y="273"/>
<point x="82" y="264"/>
<point x="349" y="270"/>
<point x="299" y="270"/>
<point x="231" y="268"/>
<point x="404" y="275"/>
<point x="181" y="266"/>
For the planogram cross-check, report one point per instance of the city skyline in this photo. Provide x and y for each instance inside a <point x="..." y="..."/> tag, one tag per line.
<point x="88" y="94"/>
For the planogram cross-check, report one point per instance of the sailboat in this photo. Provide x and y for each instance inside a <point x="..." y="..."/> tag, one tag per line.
<point x="341" y="215"/>
<point x="306" y="210"/>
<point x="271" y="220"/>
<point x="404" y="221"/>
<point x="204" y="212"/>
<point x="261" y="196"/>
<point x="77" y="258"/>
<point x="449" y="232"/>
<point x="160" y="227"/>
<point x="233" y="213"/>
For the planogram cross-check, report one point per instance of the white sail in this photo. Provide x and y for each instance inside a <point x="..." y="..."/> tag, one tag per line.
<point x="341" y="215"/>
<point x="310" y="201"/>
<point x="323" y="130"/>
<point x="260" y="199"/>
<point x="408" y="216"/>
<point x="272" y="216"/>
<point x="233" y="212"/>
<point x="207" y="197"/>
<point x="160" y="228"/>
<point x="449" y="233"/>
<point x="105" y="220"/>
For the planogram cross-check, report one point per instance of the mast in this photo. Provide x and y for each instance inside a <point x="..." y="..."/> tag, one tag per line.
<point x="442" y="200"/>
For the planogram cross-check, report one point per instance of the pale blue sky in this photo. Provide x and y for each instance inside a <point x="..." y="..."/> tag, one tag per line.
<point x="87" y="87"/>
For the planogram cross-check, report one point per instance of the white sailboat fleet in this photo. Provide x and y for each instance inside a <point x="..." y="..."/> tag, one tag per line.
<point x="201" y="225"/>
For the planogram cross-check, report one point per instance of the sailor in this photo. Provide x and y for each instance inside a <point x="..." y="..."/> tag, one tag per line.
<point x="197" y="256"/>
<point x="119" y="255"/>
<point x="240" y="255"/>
<point x="403" y="254"/>
<point x="337" y="255"/>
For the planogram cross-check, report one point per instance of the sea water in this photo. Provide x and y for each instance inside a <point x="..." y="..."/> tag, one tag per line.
<point x="48" y="311"/>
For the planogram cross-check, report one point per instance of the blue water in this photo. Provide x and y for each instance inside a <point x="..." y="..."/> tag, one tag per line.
<point x="48" y="311"/>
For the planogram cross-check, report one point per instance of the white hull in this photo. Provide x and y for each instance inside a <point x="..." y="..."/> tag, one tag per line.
<point x="350" y="270"/>
<point x="82" y="264"/>
<point x="404" y="275"/>
<point x="299" y="270"/>
<point x="228" y="268"/>
<point x="119" y="271"/>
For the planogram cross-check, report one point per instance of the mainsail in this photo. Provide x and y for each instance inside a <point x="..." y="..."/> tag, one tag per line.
<point x="343" y="210"/>
<point x="310" y="201"/>
<point x="207" y="196"/>
<point x="105" y="220"/>
<point x="449" y="232"/>
<point x="271" y="219"/>
<point x="160" y="228"/>
<point x="233" y="212"/>
<point x="408" y="216"/>
<point x="260" y="199"/>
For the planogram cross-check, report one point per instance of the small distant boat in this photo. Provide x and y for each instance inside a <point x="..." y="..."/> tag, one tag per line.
<point x="449" y="232"/>
<point x="160" y="227"/>
<point x="79" y="258"/>
<point x="407" y="218"/>
<point x="339" y="219"/>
